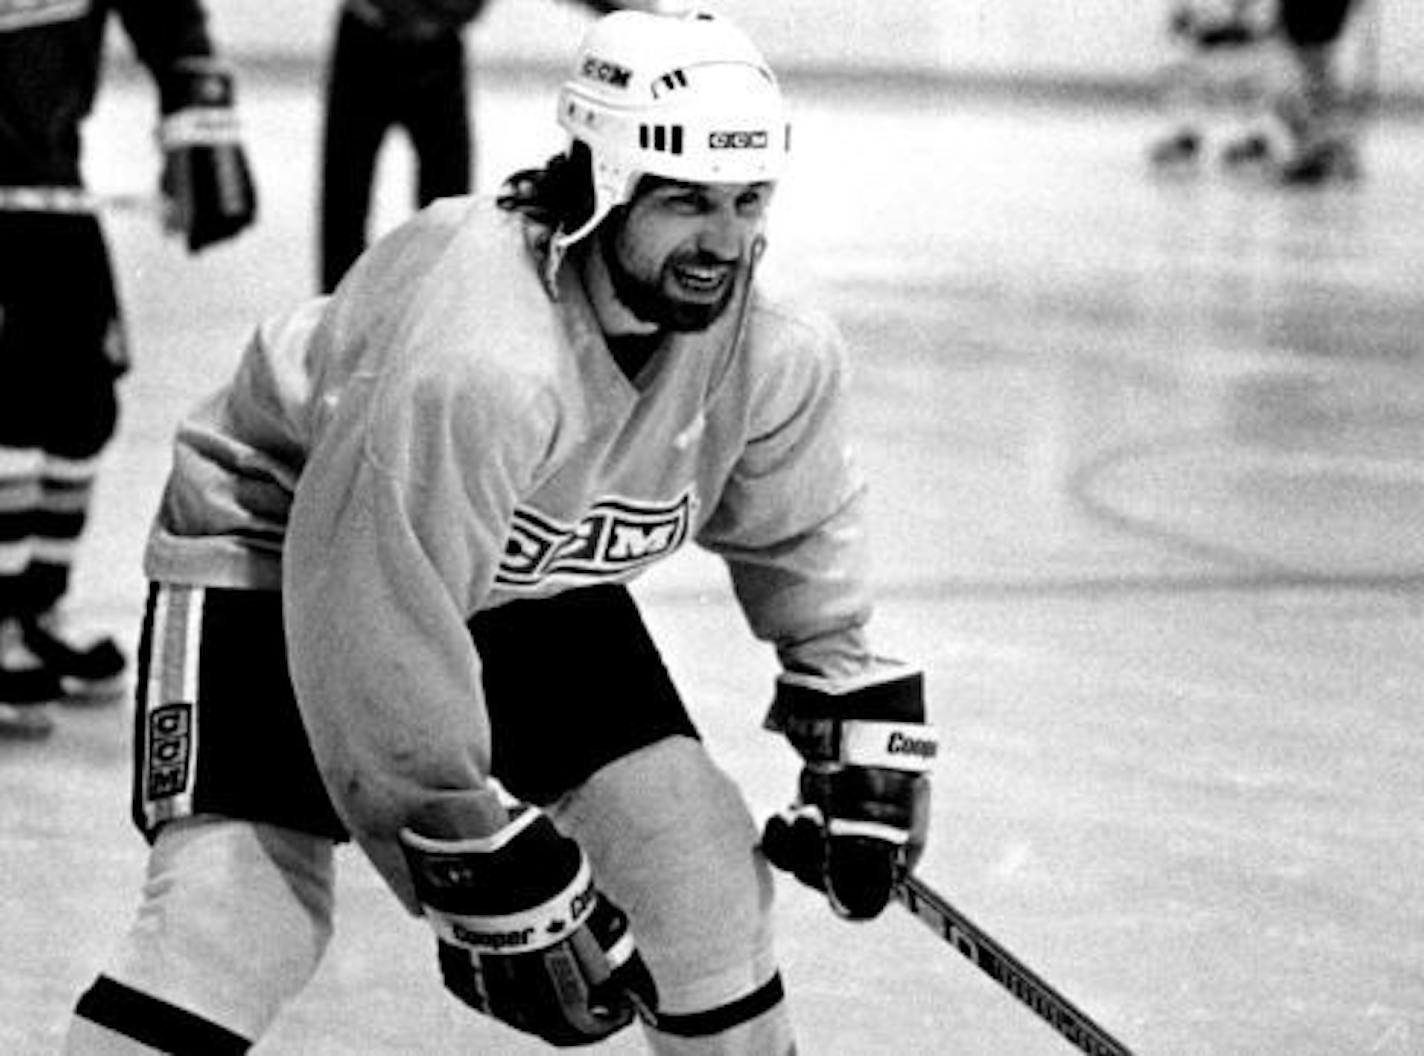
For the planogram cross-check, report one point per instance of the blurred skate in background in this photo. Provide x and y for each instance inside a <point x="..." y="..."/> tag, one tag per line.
<point x="1217" y="84"/>
<point x="1332" y="87"/>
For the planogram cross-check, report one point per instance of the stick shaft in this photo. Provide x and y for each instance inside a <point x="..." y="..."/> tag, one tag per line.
<point x="1004" y="968"/>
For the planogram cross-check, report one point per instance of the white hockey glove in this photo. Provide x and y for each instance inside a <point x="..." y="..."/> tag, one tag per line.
<point x="862" y="814"/>
<point x="525" y="936"/>
<point x="206" y="183"/>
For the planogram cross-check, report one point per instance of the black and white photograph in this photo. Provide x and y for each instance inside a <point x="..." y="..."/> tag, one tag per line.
<point x="711" y="528"/>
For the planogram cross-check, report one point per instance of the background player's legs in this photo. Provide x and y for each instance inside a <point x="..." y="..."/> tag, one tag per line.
<point x="358" y="113"/>
<point x="26" y="687"/>
<point x="1315" y="108"/>
<point x="435" y="112"/>
<point x="73" y="444"/>
<point x="61" y="351"/>
<point x="672" y="842"/>
<point x="1183" y="103"/>
<point x="1217" y="77"/>
<point x="234" y="919"/>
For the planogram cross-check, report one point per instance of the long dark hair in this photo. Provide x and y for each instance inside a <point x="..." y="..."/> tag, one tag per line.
<point x="558" y="196"/>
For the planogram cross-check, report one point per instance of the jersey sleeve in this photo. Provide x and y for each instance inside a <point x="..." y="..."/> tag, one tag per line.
<point x="396" y="529"/>
<point x="791" y="520"/>
<point x="165" y="32"/>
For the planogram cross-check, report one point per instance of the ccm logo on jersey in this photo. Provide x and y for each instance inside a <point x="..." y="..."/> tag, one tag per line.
<point x="616" y="537"/>
<point x="752" y="139"/>
<point x="168" y="755"/>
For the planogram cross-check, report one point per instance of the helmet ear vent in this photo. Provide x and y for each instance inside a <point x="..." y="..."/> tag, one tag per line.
<point x="663" y="138"/>
<point x="670" y="82"/>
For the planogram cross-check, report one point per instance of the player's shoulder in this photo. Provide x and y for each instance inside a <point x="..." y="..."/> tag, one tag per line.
<point x="443" y="227"/>
<point x="455" y="261"/>
<point x="452" y="302"/>
<point x="787" y="326"/>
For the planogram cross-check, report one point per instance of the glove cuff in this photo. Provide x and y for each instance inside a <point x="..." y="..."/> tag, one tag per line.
<point x="893" y="692"/>
<point x="202" y="81"/>
<point x="910" y="746"/>
<point x="199" y="127"/>
<point x="526" y="931"/>
<point x="876" y="720"/>
<point x="477" y="892"/>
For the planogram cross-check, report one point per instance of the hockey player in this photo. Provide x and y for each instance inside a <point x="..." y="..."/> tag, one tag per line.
<point x="1218" y="69"/>
<point x="393" y="64"/>
<point x="424" y="496"/>
<point x="396" y="64"/>
<point x="61" y="338"/>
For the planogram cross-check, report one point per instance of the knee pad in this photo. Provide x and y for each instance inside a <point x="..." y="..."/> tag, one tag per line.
<point x="234" y="919"/>
<point x="756" y="1024"/>
<point x="112" y="1019"/>
<point x="672" y="842"/>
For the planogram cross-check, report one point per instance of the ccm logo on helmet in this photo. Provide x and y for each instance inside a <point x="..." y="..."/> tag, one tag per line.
<point x="903" y="744"/>
<point x="748" y="140"/>
<point x="605" y="72"/>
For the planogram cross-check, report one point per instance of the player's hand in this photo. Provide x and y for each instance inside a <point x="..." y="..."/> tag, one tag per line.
<point x="861" y="815"/>
<point x="525" y="936"/>
<point x="206" y="182"/>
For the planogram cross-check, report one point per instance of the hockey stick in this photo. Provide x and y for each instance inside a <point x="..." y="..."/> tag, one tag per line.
<point x="930" y="907"/>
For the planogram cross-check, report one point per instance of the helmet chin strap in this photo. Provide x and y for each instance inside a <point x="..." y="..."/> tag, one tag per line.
<point x="556" y="249"/>
<point x="754" y="255"/>
<point x="561" y="241"/>
<point x="559" y="245"/>
<point x="609" y="190"/>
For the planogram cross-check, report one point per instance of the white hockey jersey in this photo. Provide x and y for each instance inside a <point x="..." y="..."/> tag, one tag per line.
<point x="441" y="436"/>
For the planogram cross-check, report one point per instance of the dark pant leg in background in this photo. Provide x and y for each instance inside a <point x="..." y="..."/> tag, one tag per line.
<point x="61" y="351"/>
<point x="435" y="113"/>
<point x="375" y="81"/>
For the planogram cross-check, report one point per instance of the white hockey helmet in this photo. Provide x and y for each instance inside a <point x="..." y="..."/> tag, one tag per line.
<point x="687" y="97"/>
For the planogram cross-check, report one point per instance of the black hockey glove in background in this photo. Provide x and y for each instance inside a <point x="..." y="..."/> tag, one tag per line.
<point x="206" y="182"/>
<point x="525" y="936"/>
<point x="861" y="816"/>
